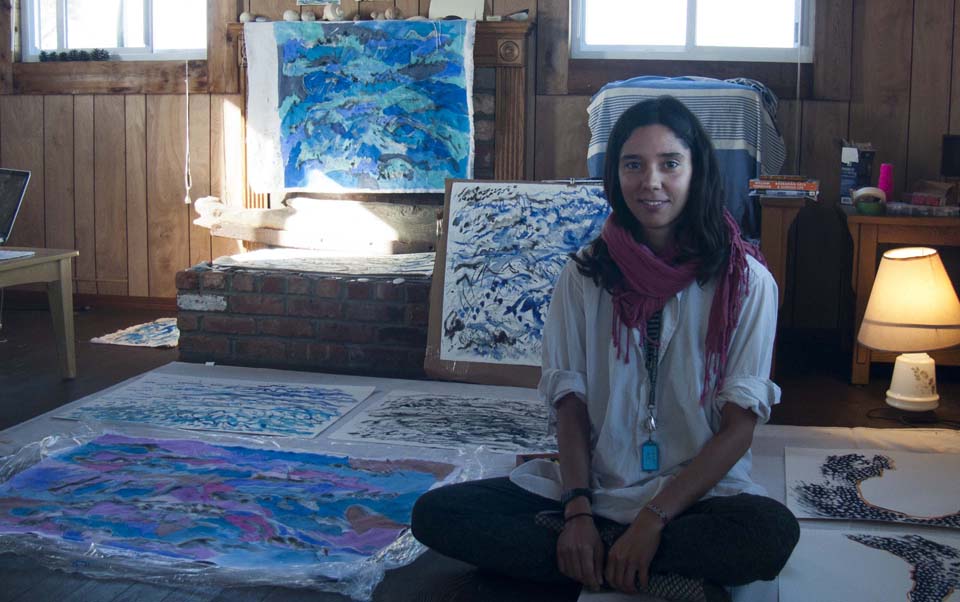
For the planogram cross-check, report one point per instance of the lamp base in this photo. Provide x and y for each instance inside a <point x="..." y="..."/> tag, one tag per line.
<point x="914" y="384"/>
<point x="913" y="406"/>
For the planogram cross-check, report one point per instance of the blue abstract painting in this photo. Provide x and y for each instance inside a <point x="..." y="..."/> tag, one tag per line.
<point x="224" y="405"/>
<point x="506" y="245"/>
<point x="367" y="106"/>
<point x="159" y="333"/>
<point x="245" y="512"/>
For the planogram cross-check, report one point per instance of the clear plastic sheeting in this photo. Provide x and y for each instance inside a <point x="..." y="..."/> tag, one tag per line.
<point x="167" y="506"/>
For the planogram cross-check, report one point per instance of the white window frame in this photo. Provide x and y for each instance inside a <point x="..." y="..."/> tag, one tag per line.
<point x="31" y="52"/>
<point x="803" y="53"/>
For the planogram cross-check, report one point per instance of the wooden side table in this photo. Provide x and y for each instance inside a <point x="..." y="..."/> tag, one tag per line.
<point x="51" y="266"/>
<point x="868" y="232"/>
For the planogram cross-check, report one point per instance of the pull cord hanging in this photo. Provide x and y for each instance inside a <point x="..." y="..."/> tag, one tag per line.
<point x="187" y="178"/>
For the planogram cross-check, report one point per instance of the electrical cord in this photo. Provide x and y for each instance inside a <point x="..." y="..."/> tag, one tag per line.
<point x="911" y="419"/>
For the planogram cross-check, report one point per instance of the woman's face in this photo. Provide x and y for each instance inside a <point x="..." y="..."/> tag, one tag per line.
<point x="655" y="172"/>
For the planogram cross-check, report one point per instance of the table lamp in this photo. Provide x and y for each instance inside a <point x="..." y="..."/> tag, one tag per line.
<point x="913" y="309"/>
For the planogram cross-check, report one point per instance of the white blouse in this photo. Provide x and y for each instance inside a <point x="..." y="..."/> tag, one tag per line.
<point x="579" y="357"/>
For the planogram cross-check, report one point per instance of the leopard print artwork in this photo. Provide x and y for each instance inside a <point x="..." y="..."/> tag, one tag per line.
<point x="839" y="495"/>
<point x="934" y="567"/>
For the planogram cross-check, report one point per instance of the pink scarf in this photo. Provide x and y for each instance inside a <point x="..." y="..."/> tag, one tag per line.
<point x="649" y="281"/>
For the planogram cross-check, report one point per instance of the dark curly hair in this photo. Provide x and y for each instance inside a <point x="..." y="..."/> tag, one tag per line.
<point x="702" y="234"/>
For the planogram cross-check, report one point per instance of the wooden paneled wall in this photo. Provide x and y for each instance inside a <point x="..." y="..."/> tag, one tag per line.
<point x="108" y="168"/>
<point x="108" y="180"/>
<point x="886" y="71"/>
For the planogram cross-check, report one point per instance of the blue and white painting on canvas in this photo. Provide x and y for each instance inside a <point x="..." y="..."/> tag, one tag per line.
<point x="382" y="106"/>
<point x="224" y="405"/>
<point x="506" y="246"/>
<point x="159" y="333"/>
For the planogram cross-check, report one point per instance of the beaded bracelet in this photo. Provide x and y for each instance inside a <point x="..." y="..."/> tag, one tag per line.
<point x="664" y="518"/>
<point x="567" y="519"/>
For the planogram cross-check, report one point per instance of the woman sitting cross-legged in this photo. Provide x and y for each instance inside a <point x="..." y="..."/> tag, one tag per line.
<point x="656" y="359"/>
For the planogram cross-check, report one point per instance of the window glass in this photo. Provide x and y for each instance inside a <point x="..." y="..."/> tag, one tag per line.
<point x="179" y="24"/>
<point x="722" y="23"/>
<point x="89" y="23"/>
<point x="644" y="22"/>
<point x="127" y="29"/>
<point x="46" y="25"/>
<point x="723" y="30"/>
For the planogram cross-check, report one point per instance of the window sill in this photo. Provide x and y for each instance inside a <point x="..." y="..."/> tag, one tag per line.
<point x="108" y="77"/>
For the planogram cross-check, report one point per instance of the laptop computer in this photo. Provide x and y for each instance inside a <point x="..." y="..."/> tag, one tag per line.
<point x="13" y="185"/>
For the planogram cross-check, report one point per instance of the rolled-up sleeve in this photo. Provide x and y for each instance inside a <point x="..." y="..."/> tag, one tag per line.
<point x="747" y="378"/>
<point x="564" y="347"/>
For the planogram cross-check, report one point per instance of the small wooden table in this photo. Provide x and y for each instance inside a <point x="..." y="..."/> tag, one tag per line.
<point x="51" y="266"/>
<point x="868" y="232"/>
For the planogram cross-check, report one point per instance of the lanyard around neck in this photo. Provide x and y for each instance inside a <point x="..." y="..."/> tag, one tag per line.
<point x="650" y="450"/>
<point x="652" y="355"/>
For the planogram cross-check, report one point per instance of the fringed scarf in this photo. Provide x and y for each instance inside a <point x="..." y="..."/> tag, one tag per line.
<point x="649" y="281"/>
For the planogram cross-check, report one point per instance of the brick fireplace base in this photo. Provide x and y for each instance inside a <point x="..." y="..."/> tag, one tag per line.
<point x="375" y="326"/>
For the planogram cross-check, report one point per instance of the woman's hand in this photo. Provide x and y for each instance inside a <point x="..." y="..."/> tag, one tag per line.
<point x="580" y="552"/>
<point x="629" y="559"/>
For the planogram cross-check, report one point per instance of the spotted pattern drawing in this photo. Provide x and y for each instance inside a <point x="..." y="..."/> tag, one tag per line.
<point x="934" y="567"/>
<point x="839" y="494"/>
<point x="427" y="419"/>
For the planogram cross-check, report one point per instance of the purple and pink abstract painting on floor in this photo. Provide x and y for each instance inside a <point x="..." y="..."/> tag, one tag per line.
<point x="196" y="504"/>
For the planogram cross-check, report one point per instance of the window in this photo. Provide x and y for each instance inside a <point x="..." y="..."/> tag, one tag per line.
<point x="723" y="30"/>
<point x="127" y="29"/>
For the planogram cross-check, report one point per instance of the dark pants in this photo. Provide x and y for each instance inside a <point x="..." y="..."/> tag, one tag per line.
<point x="490" y="523"/>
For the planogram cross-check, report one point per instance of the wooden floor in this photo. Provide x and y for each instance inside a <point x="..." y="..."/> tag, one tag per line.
<point x="812" y="374"/>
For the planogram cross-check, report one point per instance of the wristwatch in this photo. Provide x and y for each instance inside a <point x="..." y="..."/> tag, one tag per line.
<point x="569" y="494"/>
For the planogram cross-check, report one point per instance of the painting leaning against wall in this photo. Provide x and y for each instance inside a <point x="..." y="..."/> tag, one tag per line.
<point x="506" y="244"/>
<point x="376" y="106"/>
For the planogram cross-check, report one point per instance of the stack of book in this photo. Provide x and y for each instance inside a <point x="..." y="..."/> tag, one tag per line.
<point x="785" y="186"/>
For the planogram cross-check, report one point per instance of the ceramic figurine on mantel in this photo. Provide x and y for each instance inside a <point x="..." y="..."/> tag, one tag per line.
<point x="247" y="17"/>
<point x="332" y="12"/>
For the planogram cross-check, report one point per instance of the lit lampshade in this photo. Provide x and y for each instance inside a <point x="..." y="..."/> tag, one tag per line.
<point x="912" y="309"/>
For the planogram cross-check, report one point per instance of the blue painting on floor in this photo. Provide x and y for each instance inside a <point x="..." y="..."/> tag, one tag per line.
<point x="223" y="405"/>
<point x="159" y="333"/>
<point x="253" y="513"/>
<point x="369" y="106"/>
<point x="506" y="246"/>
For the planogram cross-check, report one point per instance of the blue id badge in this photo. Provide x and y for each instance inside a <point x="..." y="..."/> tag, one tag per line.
<point x="650" y="456"/>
